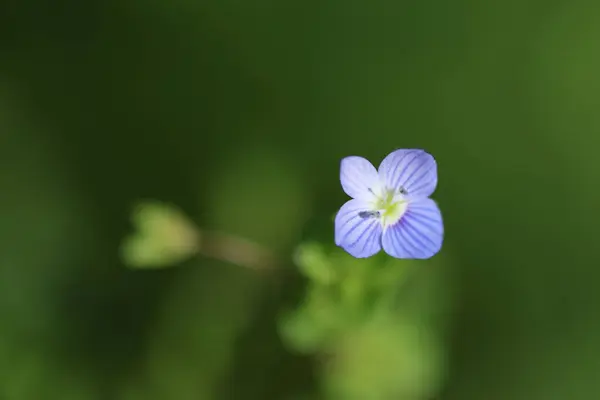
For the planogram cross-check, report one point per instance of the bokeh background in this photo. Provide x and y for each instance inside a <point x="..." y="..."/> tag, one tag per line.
<point x="237" y="114"/>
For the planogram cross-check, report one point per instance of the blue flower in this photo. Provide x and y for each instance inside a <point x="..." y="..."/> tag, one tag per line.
<point x="390" y="208"/>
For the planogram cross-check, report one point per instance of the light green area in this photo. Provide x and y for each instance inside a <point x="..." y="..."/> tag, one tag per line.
<point x="380" y="339"/>
<point x="163" y="236"/>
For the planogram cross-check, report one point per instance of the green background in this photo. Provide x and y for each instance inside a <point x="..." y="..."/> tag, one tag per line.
<point x="239" y="113"/>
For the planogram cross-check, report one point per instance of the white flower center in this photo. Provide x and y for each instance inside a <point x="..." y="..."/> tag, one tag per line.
<point x="389" y="205"/>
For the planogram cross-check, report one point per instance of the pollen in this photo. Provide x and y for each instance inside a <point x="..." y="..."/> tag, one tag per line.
<point x="392" y="204"/>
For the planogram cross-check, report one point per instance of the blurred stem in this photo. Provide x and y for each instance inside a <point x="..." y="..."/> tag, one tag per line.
<point x="237" y="250"/>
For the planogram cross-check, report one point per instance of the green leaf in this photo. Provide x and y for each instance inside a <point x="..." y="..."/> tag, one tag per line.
<point x="315" y="264"/>
<point x="310" y="328"/>
<point x="387" y="359"/>
<point x="164" y="236"/>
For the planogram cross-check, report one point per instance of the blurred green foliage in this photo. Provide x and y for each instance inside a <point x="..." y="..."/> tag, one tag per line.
<point x="163" y="236"/>
<point x="238" y="113"/>
<point x="381" y="339"/>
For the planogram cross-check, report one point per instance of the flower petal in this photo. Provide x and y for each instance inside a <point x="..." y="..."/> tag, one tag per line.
<point x="360" y="236"/>
<point x="415" y="170"/>
<point x="357" y="176"/>
<point x="418" y="234"/>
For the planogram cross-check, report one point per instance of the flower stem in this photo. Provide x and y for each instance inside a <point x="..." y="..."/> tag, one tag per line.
<point x="237" y="250"/>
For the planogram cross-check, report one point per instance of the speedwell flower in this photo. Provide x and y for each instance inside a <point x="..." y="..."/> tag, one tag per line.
<point x="390" y="208"/>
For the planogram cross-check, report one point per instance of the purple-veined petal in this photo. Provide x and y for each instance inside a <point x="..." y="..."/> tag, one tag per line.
<point x="357" y="176"/>
<point x="418" y="234"/>
<point x="414" y="170"/>
<point x="359" y="236"/>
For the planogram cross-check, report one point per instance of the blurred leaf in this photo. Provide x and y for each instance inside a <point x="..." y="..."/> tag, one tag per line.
<point x="386" y="359"/>
<point x="315" y="323"/>
<point x="314" y="263"/>
<point x="382" y="320"/>
<point x="164" y="236"/>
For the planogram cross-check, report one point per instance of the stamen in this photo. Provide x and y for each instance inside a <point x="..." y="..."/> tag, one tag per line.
<point x="402" y="191"/>
<point x="379" y="195"/>
<point x="369" y="214"/>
